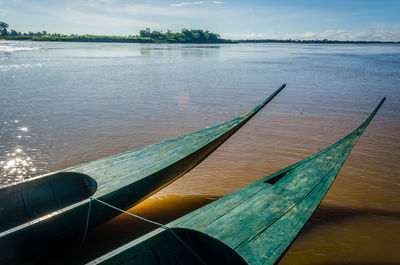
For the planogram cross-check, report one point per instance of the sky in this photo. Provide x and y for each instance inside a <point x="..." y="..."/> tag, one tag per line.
<point x="234" y="19"/>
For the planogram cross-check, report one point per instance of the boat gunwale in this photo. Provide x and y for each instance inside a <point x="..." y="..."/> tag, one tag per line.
<point x="353" y="136"/>
<point x="238" y="121"/>
<point x="99" y="193"/>
<point x="244" y="118"/>
<point x="44" y="217"/>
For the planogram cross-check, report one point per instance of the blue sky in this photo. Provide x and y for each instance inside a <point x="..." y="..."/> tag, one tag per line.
<point x="301" y="19"/>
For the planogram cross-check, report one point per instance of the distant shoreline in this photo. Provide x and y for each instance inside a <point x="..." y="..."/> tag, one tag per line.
<point x="112" y="39"/>
<point x="318" y="41"/>
<point x="145" y="36"/>
<point x="154" y="36"/>
<point x="194" y="36"/>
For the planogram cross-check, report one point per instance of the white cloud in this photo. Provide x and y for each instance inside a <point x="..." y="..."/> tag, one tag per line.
<point x="79" y="17"/>
<point x="156" y="10"/>
<point x="380" y="35"/>
<point x="272" y="35"/>
<point x="197" y="3"/>
<point x="107" y="17"/>
<point x="340" y="34"/>
<point x="98" y="21"/>
<point x="142" y="9"/>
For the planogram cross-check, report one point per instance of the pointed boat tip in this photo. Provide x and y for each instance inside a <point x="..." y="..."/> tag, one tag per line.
<point x="383" y="99"/>
<point x="379" y="105"/>
<point x="281" y="87"/>
<point x="265" y="102"/>
<point x="364" y="125"/>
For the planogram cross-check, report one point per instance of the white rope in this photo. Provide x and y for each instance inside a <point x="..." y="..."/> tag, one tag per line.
<point x="141" y="218"/>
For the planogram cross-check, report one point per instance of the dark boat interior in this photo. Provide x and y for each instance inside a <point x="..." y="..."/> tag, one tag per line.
<point x="29" y="200"/>
<point x="165" y="248"/>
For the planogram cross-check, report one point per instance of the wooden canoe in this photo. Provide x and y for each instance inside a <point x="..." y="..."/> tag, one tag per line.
<point x="52" y="207"/>
<point x="254" y="225"/>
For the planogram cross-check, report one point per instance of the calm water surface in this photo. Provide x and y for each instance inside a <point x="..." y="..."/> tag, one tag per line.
<point x="62" y="104"/>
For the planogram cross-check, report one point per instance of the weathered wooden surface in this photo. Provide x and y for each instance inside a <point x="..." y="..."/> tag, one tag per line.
<point x="257" y="222"/>
<point x="32" y="211"/>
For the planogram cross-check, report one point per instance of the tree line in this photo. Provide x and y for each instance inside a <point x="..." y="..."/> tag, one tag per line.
<point x="185" y="35"/>
<point x="146" y="35"/>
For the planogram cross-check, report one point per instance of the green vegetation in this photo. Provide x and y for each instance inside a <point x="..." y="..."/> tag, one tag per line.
<point x="197" y="36"/>
<point x="146" y="36"/>
<point x="3" y="28"/>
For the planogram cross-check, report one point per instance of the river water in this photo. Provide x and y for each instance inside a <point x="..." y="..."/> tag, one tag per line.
<point x="63" y="104"/>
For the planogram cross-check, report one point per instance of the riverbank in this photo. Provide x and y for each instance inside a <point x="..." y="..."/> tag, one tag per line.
<point x="96" y="38"/>
<point x="137" y="39"/>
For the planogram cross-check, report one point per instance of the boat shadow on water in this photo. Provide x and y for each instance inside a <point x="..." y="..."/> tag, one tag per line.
<point x="329" y="214"/>
<point x="165" y="209"/>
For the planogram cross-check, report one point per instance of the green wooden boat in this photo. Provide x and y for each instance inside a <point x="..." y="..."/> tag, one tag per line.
<point x="254" y="225"/>
<point x="54" y="206"/>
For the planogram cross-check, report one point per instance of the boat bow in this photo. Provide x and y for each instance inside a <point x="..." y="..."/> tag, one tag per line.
<point x="51" y="207"/>
<point x="258" y="222"/>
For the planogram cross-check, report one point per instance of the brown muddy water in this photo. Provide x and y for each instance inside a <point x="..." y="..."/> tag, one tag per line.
<point x="67" y="103"/>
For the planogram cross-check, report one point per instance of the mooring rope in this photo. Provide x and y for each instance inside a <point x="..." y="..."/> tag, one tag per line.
<point x="87" y="221"/>
<point x="139" y="217"/>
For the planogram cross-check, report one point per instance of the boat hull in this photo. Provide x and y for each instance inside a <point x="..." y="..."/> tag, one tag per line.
<point x="73" y="221"/>
<point x="122" y="180"/>
<point x="258" y="222"/>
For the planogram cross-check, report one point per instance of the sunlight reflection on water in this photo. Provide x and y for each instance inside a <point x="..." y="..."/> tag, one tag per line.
<point x="83" y="101"/>
<point x="17" y="167"/>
